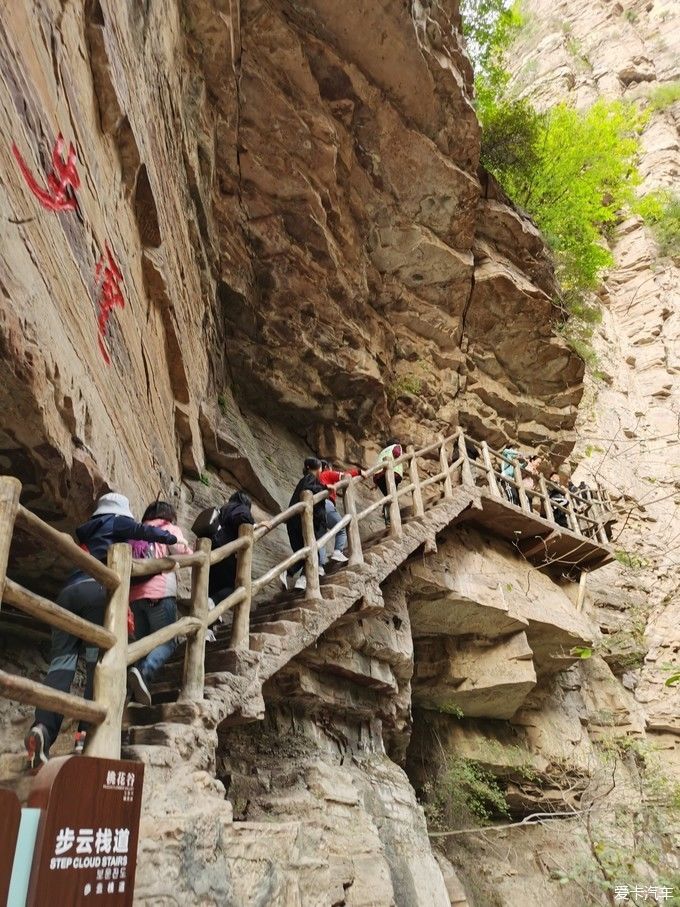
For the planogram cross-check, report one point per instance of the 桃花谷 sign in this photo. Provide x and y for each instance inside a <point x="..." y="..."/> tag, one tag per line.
<point x="86" y="847"/>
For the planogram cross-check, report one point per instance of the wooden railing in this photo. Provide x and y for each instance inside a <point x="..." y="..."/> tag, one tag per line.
<point x="429" y="477"/>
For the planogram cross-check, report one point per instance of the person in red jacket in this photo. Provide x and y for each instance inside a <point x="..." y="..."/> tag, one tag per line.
<point x="329" y="476"/>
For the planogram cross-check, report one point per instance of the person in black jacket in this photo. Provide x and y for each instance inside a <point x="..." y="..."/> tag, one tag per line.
<point x="234" y="514"/>
<point x="309" y="482"/>
<point x="111" y="522"/>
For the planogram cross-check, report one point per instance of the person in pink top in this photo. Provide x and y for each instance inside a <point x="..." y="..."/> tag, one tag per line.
<point x="154" y="601"/>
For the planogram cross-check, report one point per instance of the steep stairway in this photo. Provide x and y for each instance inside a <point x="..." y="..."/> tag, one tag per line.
<point x="283" y="627"/>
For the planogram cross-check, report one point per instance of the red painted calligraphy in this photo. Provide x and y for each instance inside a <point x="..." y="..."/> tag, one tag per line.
<point x="60" y="180"/>
<point x="110" y="297"/>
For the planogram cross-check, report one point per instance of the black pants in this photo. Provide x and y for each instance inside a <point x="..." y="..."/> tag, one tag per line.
<point x="87" y="599"/>
<point x="381" y="482"/>
<point x="296" y="539"/>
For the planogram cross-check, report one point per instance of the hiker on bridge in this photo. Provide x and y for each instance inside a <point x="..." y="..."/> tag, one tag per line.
<point x="153" y="599"/>
<point x="111" y="522"/>
<point x="391" y="451"/>
<point x="309" y="482"/>
<point x="329" y="477"/>
<point x="559" y="500"/>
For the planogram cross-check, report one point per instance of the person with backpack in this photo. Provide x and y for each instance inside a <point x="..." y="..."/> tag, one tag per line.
<point x="309" y="482"/>
<point x="391" y="451"/>
<point x="111" y="522"/>
<point x="153" y="599"/>
<point x="329" y="477"/>
<point x="559" y="500"/>
<point x="231" y="516"/>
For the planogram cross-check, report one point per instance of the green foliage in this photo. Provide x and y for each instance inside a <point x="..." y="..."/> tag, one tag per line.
<point x="222" y="403"/>
<point x="405" y="384"/>
<point x="661" y="212"/>
<point x="664" y="96"/>
<point x="631" y="561"/>
<point x="204" y="479"/>
<point x="631" y="16"/>
<point x="573" y="171"/>
<point x="581" y="652"/>
<point x="463" y="794"/>
<point x="673" y="680"/>
<point x="593" y="449"/>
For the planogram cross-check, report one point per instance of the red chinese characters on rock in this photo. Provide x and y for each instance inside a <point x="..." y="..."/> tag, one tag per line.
<point x="110" y="296"/>
<point x="64" y="176"/>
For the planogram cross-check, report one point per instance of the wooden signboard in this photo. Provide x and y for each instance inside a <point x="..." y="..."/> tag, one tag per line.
<point x="10" y="816"/>
<point x="86" y="850"/>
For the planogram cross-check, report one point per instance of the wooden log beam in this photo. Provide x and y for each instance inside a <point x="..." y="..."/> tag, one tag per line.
<point x="64" y="545"/>
<point x="395" y="513"/>
<point x="21" y="689"/>
<point x="490" y="476"/>
<point x="466" y="474"/>
<point x="44" y="610"/>
<point x="193" y="680"/>
<point x="444" y="463"/>
<point x="313" y="589"/>
<point x="414" y="475"/>
<point x="240" y="629"/>
<point x="185" y="626"/>
<point x="356" y="555"/>
<point x="10" y="490"/>
<point x="110" y="675"/>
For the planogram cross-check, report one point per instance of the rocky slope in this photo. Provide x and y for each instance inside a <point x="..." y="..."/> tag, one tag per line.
<point x="310" y="258"/>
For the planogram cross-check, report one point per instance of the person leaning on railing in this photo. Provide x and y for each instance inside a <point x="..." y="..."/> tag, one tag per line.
<point x="329" y="477"/>
<point x="154" y="599"/>
<point x="111" y="522"/>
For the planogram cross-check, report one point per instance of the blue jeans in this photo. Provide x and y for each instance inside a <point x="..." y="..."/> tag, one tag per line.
<point x="87" y="599"/>
<point x="153" y="614"/>
<point x="332" y="519"/>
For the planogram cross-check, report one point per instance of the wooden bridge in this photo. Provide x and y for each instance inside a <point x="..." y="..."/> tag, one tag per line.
<point x="445" y="484"/>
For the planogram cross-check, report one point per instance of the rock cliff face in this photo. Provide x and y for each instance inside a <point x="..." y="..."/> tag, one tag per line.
<point x="310" y="258"/>
<point x="629" y="424"/>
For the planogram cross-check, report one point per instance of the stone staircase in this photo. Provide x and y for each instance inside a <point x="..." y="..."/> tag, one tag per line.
<point x="281" y="629"/>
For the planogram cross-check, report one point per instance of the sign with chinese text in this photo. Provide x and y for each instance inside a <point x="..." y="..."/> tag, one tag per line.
<point x="87" y="843"/>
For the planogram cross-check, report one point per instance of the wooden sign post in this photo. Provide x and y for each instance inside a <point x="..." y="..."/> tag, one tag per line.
<point x="86" y="849"/>
<point x="10" y="816"/>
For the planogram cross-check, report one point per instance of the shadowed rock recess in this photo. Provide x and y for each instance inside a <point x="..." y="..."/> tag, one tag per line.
<point x="311" y="259"/>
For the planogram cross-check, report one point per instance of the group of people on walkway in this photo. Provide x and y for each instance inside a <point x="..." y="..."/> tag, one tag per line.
<point x="532" y="465"/>
<point x="153" y="599"/>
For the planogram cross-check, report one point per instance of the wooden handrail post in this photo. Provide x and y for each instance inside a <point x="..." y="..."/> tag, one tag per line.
<point x="490" y="477"/>
<point x="521" y="490"/>
<point x="356" y="554"/>
<point x="466" y="469"/>
<point x="549" y="514"/>
<point x="571" y="513"/>
<point x="313" y="589"/>
<point x="10" y="489"/>
<point x="582" y="580"/>
<point x="395" y="513"/>
<point x="110" y="675"/>
<point x="444" y="463"/>
<point x="414" y="477"/>
<point x="240" y="629"/>
<point x="193" y="675"/>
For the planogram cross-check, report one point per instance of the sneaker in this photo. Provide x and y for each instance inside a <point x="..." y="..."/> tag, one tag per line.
<point x="322" y="572"/>
<point x="339" y="557"/>
<point x="138" y="688"/>
<point x="284" y="580"/>
<point x="37" y="748"/>
<point x="301" y="582"/>
<point x="79" y="745"/>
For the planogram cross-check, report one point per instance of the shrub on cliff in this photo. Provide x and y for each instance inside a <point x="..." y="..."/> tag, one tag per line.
<point x="661" y="211"/>
<point x="572" y="171"/>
